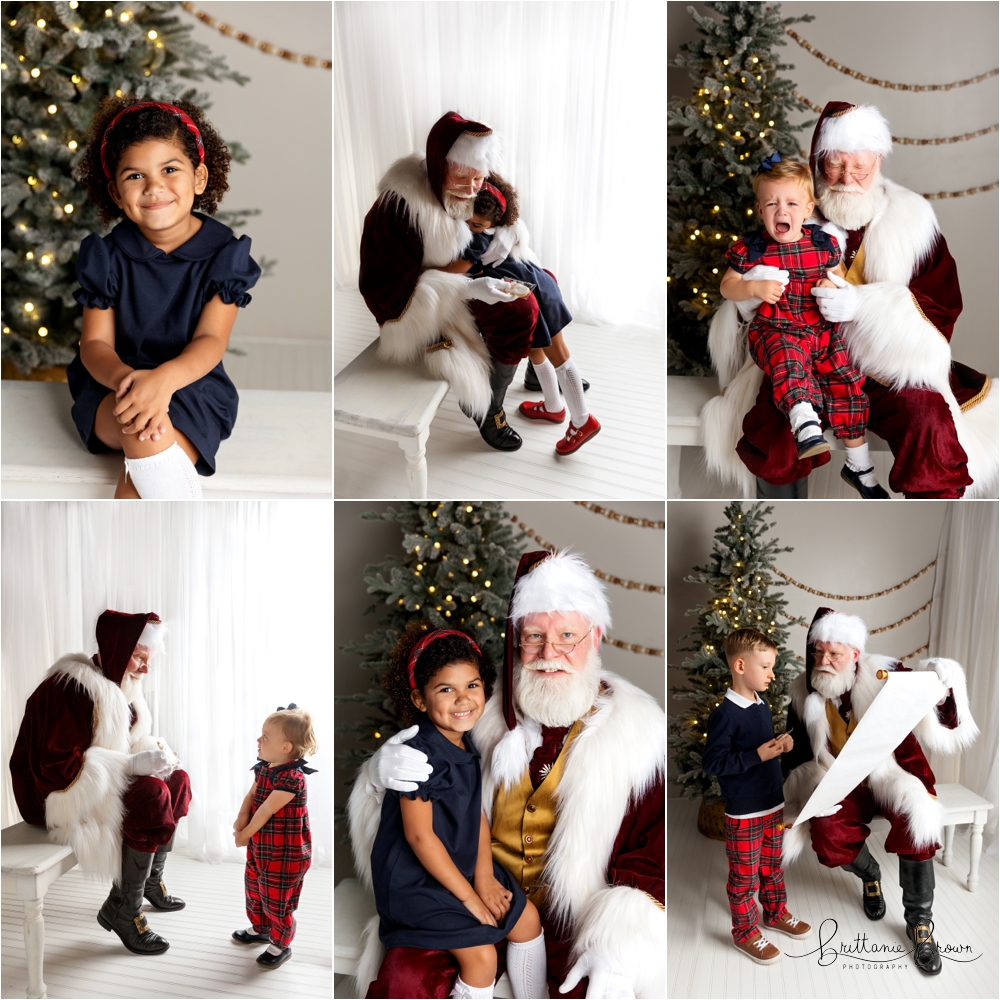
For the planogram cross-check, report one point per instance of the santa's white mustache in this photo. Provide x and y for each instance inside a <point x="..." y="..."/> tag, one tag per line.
<point x="548" y="666"/>
<point x="846" y="188"/>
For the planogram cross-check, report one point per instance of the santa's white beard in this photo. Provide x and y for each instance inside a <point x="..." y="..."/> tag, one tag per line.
<point x="131" y="686"/>
<point x="849" y="205"/>
<point x="832" y="686"/>
<point x="557" y="700"/>
<point x="462" y="209"/>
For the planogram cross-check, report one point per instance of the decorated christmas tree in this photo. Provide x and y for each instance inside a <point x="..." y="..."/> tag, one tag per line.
<point x="744" y="596"/>
<point x="59" y="60"/>
<point x="735" y="115"/>
<point x="457" y="571"/>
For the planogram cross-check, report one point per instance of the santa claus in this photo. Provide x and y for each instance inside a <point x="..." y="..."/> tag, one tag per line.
<point x="897" y="311"/>
<point x="572" y="759"/>
<point x="827" y="703"/>
<point x="467" y="331"/>
<point x="86" y="766"/>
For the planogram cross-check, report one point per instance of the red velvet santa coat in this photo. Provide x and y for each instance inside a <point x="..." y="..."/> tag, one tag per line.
<point x="604" y="865"/>
<point x="938" y="416"/>
<point x="70" y="766"/>
<point x="406" y="235"/>
<point x="904" y="780"/>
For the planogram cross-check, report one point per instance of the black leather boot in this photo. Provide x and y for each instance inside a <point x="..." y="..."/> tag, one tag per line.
<point x="532" y="384"/>
<point x="494" y="429"/>
<point x="867" y="869"/>
<point x="122" y="910"/>
<point x="917" y="881"/>
<point x="155" y="890"/>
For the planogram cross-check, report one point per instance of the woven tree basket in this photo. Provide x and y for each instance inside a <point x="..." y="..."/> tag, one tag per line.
<point x="712" y="820"/>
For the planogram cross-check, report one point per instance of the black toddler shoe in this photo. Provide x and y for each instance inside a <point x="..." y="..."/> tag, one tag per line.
<point x="814" y="444"/>
<point x="532" y="384"/>
<point x="270" y="961"/>
<point x="853" y="478"/>
<point x="244" y="938"/>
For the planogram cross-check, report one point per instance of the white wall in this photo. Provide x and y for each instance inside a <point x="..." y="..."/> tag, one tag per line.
<point x="284" y="117"/>
<point x="909" y="42"/>
<point x="837" y="548"/>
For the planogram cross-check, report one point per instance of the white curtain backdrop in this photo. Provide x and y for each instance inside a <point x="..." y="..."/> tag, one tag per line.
<point x="964" y="627"/>
<point x="577" y="93"/>
<point x="245" y="592"/>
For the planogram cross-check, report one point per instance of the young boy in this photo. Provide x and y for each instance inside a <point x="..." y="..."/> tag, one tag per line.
<point x="741" y="750"/>
<point x="803" y="355"/>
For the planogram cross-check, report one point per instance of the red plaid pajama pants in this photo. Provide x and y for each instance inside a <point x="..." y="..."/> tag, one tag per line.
<point x="272" y="892"/>
<point x="753" y="847"/>
<point x="810" y="364"/>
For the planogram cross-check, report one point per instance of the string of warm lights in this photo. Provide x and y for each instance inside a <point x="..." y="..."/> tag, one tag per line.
<point x="860" y="597"/>
<point x="241" y="36"/>
<point x="884" y="628"/>
<point x="885" y="83"/>
<point x="624" y="518"/>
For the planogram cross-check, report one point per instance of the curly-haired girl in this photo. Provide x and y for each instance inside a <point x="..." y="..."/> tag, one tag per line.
<point x="436" y="883"/>
<point x="160" y="294"/>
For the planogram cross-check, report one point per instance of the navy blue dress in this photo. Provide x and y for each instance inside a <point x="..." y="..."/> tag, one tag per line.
<point x="158" y="299"/>
<point x="415" y="910"/>
<point x="553" y="316"/>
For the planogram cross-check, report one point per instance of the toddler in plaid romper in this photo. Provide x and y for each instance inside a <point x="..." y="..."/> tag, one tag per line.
<point x="741" y="750"/>
<point x="274" y="825"/>
<point x="803" y="355"/>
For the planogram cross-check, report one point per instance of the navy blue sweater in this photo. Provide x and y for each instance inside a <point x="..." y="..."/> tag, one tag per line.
<point x="748" y="783"/>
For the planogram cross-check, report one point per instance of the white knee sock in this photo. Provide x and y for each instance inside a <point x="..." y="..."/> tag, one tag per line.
<point x="801" y="413"/>
<point x="526" y="966"/>
<point x="167" y="475"/>
<point x="546" y="373"/>
<point x="859" y="460"/>
<point x="466" y="992"/>
<point x="572" y="387"/>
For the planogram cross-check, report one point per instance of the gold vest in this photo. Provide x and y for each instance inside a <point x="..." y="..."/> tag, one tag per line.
<point x="523" y="821"/>
<point x="856" y="270"/>
<point x="839" y="730"/>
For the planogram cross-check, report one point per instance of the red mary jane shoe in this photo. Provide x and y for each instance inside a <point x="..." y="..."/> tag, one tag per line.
<point x="577" y="436"/>
<point x="535" y="410"/>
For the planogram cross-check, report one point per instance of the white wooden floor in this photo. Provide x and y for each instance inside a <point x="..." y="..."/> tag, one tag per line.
<point x="702" y="961"/>
<point x="83" y="960"/>
<point x="625" y="367"/>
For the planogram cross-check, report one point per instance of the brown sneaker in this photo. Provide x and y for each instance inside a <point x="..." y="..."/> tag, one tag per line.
<point x="759" y="949"/>
<point x="787" y="924"/>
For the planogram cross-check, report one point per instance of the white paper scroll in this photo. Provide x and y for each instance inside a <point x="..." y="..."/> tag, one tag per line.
<point x="906" y="697"/>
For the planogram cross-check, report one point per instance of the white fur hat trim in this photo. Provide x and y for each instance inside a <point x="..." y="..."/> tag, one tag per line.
<point x="152" y="637"/>
<point x="563" y="582"/>
<point x="849" y="630"/>
<point x="862" y="129"/>
<point x="481" y="152"/>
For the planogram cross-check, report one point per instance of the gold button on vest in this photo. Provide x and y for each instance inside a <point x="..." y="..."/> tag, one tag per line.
<point x="839" y="730"/>
<point x="525" y="815"/>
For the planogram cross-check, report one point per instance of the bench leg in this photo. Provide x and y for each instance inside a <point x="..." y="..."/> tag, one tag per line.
<point x="34" y="946"/>
<point x="949" y="838"/>
<point x="975" y="850"/>
<point x="673" y="472"/>
<point x="416" y="465"/>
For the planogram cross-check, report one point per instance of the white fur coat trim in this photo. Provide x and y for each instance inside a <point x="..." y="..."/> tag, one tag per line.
<point x="722" y="427"/>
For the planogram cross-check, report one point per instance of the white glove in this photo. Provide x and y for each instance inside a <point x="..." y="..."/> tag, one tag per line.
<point x="500" y="246"/>
<point x="831" y="812"/>
<point x="488" y="290"/>
<point x="158" y="763"/>
<point x="945" y="671"/>
<point x="607" y="980"/>
<point x="840" y="304"/>
<point x="398" y="766"/>
<point x="760" y="272"/>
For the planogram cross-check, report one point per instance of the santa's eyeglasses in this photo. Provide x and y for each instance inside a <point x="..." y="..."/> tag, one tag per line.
<point x="536" y="642"/>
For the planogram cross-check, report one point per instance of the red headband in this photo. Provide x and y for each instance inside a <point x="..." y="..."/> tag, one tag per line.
<point x="437" y="633"/>
<point x="497" y="193"/>
<point x="171" y="108"/>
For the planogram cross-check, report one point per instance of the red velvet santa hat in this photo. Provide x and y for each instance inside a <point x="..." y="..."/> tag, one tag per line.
<point x="832" y="626"/>
<point x="850" y="128"/>
<point x="117" y="636"/>
<point x="547" y="581"/>
<point x="460" y="140"/>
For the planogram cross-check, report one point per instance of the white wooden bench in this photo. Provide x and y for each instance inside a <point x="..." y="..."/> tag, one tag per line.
<point x="686" y="395"/>
<point x="353" y="907"/>
<point x="30" y="864"/>
<point x="392" y="401"/>
<point x="962" y="806"/>
<point x="282" y="446"/>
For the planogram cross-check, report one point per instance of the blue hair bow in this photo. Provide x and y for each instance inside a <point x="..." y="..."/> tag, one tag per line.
<point x="291" y="704"/>
<point x="768" y="162"/>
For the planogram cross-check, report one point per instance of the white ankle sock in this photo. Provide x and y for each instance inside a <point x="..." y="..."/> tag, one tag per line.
<point x="167" y="475"/>
<point x="801" y="413"/>
<point x="250" y="930"/>
<point x="273" y="949"/>
<point x="859" y="460"/>
<point x="546" y="373"/>
<point x="466" y="992"/>
<point x="526" y="966"/>
<point x="572" y="387"/>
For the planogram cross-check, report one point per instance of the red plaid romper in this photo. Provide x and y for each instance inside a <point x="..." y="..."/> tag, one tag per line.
<point x="803" y="354"/>
<point x="279" y="853"/>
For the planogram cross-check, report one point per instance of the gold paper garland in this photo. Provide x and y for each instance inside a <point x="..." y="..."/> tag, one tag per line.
<point x="624" y="518"/>
<point x="884" y="628"/>
<point x="631" y="647"/>
<point x="862" y="597"/>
